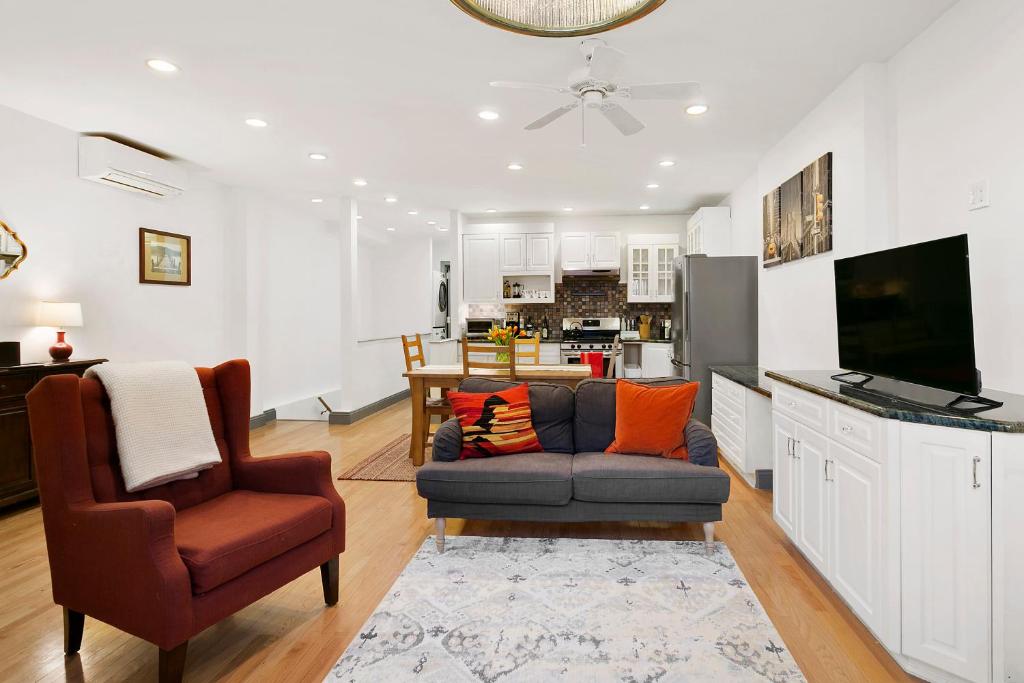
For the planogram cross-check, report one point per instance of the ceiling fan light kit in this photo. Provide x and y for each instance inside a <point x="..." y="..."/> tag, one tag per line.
<point x="558" y="18"/>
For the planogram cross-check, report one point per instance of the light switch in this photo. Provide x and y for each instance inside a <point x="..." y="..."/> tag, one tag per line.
<point x="978" y="195"/>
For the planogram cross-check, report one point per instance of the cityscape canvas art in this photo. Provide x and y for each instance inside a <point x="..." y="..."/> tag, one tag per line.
<point x="797" y="215"/>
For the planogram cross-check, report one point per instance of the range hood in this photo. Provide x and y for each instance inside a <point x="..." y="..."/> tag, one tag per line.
<point x="592" y="273"/>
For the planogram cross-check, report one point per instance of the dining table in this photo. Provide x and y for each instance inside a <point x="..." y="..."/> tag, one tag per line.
<point x="422" y="380"/>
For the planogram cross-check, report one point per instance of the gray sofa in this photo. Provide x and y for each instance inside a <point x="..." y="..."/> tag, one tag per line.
<point x="573" y="480"/>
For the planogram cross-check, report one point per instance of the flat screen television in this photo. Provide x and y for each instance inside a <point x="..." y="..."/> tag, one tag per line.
<point x="906" y="314"/>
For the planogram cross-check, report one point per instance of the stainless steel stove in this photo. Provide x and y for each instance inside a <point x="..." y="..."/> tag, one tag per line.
<point x="588" y="334"/>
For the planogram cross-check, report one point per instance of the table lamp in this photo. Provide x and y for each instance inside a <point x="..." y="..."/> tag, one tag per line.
<point x="60" y="315"/>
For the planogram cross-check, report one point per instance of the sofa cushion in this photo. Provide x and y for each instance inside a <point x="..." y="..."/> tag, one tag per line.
<point x="224" y="537"/>
<point x="594" y="423"/>
<point x="617" y="478"/>
<point x="525" y="479"/>
<point x="551" y="408"/>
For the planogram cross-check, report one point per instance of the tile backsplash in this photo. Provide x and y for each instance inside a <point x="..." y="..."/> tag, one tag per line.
<point x="578" y="298"/>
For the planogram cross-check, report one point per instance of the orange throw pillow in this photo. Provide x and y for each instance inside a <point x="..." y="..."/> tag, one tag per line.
<point x="652" y="420"/>
<point x="495" y="424"/>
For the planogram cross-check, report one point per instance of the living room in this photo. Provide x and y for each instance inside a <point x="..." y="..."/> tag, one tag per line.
<point x="321" y="165"/>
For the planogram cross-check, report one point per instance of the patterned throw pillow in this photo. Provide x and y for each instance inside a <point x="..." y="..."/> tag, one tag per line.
<point x="495" y="424"/>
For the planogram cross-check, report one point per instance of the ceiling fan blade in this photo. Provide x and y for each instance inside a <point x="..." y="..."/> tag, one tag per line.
<point x="605" y="63"/>
<point x="621" y="119"/>
<point x="549" y="118"/>
<point x="527" y="86"/>
<point x="691" y="92"/>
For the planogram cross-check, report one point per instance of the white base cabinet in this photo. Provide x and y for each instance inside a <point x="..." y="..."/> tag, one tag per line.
<point x="741" y="420"/>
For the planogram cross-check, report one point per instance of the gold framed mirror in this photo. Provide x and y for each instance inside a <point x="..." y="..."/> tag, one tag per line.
<point x="13" y="251"/>
<point x="560" y="19"/>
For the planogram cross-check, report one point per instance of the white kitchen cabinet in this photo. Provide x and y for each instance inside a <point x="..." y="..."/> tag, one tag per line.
<point x="575" y="250"/>
<point x="540" y="253"/>
<point x="481" y="281"/>
<point x="812" y="492"/>
<point x="604" y="250"/>
<point x="784" y="475"/>
<point x="513" y="253"/>
<point x="656" y="360"/>
<point x="945" y="511"/>
<point x="709" y="231"/>
<point x="649" y="268"/>
<point x="741" y="420"/>
<point x="550" y="353"/>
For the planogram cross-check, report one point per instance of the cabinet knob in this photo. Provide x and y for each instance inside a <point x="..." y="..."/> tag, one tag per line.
<point x="846" y="429"/>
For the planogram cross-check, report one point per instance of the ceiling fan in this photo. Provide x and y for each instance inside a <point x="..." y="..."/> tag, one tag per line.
<point x="595" y="87"/>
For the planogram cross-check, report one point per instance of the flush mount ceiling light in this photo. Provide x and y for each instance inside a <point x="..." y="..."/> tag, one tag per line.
<point x="162" y="65"/>
<point x="557" y="18"/>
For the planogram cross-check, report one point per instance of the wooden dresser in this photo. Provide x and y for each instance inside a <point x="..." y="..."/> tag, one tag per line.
<point x="17" y="472"/>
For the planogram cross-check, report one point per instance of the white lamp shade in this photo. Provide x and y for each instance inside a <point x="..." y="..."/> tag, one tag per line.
<point x="54" y="314"/>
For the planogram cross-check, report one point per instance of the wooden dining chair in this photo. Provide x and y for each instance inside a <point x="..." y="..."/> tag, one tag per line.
<point x="412" y="346"/>
<point x="528" y="349"/>
<point x="616" y="351"/>
<point x="506" y="368"/>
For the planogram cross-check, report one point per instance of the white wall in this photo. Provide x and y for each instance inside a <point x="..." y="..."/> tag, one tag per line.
<point x="907" y="137"/>
<point x="83" y="246"/>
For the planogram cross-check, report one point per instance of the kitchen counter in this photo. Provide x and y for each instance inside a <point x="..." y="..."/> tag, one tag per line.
<point x="749" y="376"/>
<point x="910" y="403"/>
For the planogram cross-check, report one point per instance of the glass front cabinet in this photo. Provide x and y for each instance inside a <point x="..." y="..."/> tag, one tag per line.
<point x="649" y="276"/>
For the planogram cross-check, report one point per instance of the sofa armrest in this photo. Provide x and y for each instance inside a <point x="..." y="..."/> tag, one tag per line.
<point x="307" y="474"/>
<point x="118" y="562"/>
<point x="701" y="444"/>
<point x="448" y="441"/>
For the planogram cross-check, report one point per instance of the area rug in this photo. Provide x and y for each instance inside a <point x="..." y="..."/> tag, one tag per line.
<point x="391" y="463"/>
<point x="519" y="610"/>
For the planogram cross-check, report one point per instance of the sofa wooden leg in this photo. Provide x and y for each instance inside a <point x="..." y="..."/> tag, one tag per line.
<point x="439" y="525"/>
<point x="74" y="624"/>
<point x="709" y="536"/>
<point x="329" y="578"/>
<point x="172" y="664"/>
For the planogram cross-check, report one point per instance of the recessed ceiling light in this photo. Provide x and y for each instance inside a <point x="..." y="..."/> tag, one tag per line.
<point x="431" y="222"/>
<point x="162" y="65"/>
<point x="256" y="123"/>
<point x="391" y="200"/>
<point x="653" y="186"/>
<point x="697" y="109"/>
<point x="515" y="167"/>
<point x="489" y="115"/>
<point x="413" y="213"/>
<point x="359" y="182"/>
<point x="568" y="208"/>
<point x="390" y="229"/>
<point x="667" y="163"/>
<point x="492" y="211"/>
<point x="317" y="200"/>
<point x="443" y="229"/>
<point x="359" y="218"/>
<point x="317" y="156"/>
<point x="644" y="207"/>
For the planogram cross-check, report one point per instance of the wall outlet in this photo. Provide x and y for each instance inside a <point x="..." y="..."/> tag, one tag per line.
<point x="978" y="195"/>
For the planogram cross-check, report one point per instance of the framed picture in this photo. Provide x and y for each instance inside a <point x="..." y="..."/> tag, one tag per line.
<point x="797" y="215"/>
<point x="164" y="258"/>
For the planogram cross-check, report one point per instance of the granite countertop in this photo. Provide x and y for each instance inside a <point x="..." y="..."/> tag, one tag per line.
<point x="749" y="376"/>
<point x="646" y="341"/>
<point x="910" y="403"/>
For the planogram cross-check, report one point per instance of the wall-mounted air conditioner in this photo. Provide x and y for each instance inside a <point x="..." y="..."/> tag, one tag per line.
<point x="111" y="163"/>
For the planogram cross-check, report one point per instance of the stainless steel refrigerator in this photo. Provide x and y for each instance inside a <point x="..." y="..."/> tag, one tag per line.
<point x="714" y="319"/>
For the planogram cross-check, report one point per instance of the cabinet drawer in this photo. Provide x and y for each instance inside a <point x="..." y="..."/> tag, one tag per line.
<point x="14" y="385"/>
<point x="855" y="429"/>
<point x="727" y="412"/>
<point x="728" y="442"/>
<point x="801" y="406"/>
<point x="727" y="388"/>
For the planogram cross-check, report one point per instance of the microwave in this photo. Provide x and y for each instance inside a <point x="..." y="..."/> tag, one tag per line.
<point x="479" y="328"/>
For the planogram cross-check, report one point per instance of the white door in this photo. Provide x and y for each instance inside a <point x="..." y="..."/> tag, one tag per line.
<point x="946" y="525"/>
<point x="575" y="250"/>
<point x="604" y="250"/>
<point x="855" y="531"/>
<point x="540" y="253"/>
<point x="812" y="532"/>
<point x="481" y="282"/>
<point x="513" y="253"/>
<point x="661" y="277"/>
<point x="783" y="477"/>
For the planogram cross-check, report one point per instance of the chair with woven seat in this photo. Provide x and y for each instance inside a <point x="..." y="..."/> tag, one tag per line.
<point x="412" y="347"/>
<point x="167" y="562"/>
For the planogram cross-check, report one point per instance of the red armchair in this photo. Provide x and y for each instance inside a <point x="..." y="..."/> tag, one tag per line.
<point x="165" y="563"/>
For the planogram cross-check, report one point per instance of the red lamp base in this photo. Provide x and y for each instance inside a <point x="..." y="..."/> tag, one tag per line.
<point x="60" y="351"/>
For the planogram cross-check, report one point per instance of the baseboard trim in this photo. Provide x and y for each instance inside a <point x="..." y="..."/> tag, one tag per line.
<point x="763" y="479"/>
<point x="347" y="418"/>
<point x="266" y="417"/>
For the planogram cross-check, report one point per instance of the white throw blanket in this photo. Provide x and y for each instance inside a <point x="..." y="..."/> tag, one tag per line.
<point x="163" y="428"/>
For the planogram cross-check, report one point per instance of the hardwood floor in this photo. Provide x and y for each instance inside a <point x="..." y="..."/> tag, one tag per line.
<point x="291" y="636"/>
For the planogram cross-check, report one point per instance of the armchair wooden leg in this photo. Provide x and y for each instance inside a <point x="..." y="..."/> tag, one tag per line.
<point x="172" y="664"/>
<point x="709" y="536"/>
<point x="439" y="526"/>
<point x="74" y="624"/>
<point x="329" y="578"/>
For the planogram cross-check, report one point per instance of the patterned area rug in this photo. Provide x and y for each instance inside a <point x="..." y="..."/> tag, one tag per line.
<point x="519" y="610"/>
<point x="391" y="463"/>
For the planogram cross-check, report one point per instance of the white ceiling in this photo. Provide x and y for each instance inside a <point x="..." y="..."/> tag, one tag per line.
<point x="390" y="89"/>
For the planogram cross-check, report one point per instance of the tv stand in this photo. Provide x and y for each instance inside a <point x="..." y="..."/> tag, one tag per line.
<point x="980" y="402"/>
<point x="844" y="377"/>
